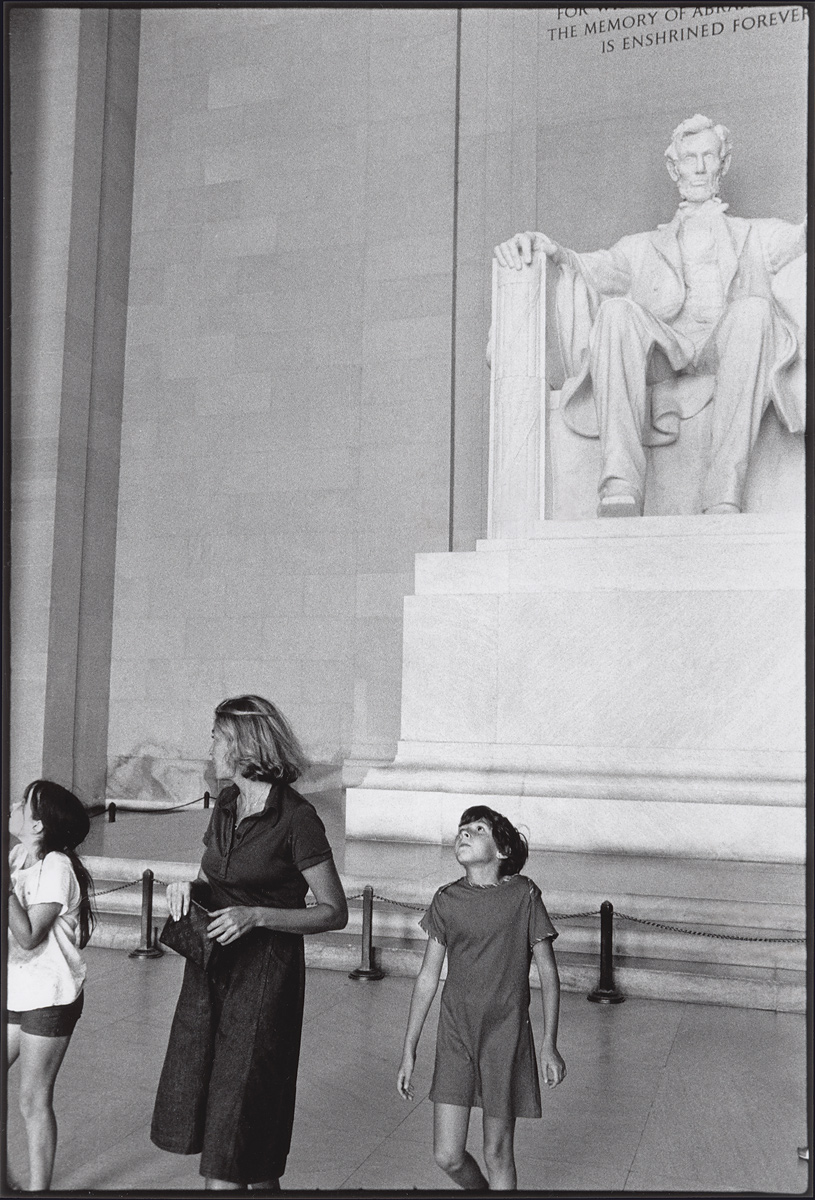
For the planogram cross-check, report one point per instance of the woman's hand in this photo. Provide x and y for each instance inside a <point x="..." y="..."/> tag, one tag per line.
<point x="228" y="924"/>
<point x="553" y="1068"/>
<point x="178" y="899"/>
<point x="403" y="1084"/>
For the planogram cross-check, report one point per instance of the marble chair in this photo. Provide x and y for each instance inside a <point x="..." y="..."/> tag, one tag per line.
<point x="542" y="469"/>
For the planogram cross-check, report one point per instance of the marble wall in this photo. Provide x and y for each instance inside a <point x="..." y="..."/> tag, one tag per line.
<point x="286" y="429"/>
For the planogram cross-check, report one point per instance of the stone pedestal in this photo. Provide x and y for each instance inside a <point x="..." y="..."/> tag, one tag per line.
<point x="631" y="687"/>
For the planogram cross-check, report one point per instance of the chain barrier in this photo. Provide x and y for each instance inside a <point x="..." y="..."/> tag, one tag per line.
<point x="724" y="937"/>
<point x="621" y="916"/>
<point x="117" y="888"/>
<point x="104" y="810"/>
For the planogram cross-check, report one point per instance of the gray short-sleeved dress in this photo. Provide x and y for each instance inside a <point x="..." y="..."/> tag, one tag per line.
<point x="485" y="1055"/>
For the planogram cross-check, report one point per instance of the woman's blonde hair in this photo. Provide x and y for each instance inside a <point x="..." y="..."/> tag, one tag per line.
<point x="262" y="743"/>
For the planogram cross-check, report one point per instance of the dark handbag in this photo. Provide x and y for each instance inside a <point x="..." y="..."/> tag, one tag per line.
<point x="188" y="935"/>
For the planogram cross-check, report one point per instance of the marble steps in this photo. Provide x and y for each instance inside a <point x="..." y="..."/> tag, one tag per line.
<point x="649" y="554"/>
<point x="601" y="683"/>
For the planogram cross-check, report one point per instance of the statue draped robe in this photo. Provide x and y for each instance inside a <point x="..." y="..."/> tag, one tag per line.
<point x="647" y="268"/>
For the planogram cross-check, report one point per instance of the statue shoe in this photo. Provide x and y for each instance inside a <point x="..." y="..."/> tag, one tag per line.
<point x="619" y="506"/>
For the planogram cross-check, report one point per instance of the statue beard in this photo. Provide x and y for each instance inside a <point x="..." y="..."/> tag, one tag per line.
<point x="713" y="193"/>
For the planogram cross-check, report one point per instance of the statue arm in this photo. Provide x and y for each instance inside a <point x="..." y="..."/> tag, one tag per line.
<point x="783" y="242"/>
<point x="606" y="271"/>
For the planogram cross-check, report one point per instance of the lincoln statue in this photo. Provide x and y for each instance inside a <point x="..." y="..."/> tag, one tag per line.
<point x="692" y="297"/>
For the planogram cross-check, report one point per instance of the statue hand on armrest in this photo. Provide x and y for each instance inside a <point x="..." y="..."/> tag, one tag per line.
<point x="518" y="250"/>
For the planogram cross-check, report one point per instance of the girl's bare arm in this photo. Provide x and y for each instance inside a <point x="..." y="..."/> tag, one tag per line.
<point x="30" y="926"/>
<point x="553" y="1067"/>
<point x="424" y="989"/>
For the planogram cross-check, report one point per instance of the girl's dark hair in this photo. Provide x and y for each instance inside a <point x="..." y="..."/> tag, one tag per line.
<point x="509" y="840"/>
<point x="262" y="743"/>
<point x="65" y="825"/>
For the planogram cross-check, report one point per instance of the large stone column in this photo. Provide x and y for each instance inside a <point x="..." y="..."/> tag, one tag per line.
<point x="517" y="400"/>
<point x="73" y="87"/>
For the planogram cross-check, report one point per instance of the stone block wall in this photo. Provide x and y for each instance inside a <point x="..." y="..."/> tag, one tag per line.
<point x="286" y="426"/>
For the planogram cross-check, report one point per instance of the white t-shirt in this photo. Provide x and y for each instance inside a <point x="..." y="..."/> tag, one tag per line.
<point x="52" y="972"/>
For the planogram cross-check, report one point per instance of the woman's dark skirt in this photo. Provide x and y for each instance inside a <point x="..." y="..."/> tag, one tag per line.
<point x="227" y="1089"/>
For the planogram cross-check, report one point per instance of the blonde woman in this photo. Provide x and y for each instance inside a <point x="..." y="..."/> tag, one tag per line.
<point x="227" y="1089"/>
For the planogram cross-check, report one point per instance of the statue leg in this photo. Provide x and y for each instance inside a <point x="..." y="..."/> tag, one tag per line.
<point x="744" y="347"/>
<point x="619" y="350"/>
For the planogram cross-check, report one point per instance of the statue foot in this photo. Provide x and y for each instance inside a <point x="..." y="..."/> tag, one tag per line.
<point x="618" y="506"/>
<point x="718" y="510"/>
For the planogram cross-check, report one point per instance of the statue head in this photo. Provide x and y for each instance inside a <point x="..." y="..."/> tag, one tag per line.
<point x="698" y="157"/>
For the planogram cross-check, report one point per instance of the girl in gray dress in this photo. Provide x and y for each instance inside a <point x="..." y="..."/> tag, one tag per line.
<point x="490" y="924"/>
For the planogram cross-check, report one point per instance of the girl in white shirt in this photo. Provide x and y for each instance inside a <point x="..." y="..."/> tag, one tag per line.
<point x="50" y="921"/>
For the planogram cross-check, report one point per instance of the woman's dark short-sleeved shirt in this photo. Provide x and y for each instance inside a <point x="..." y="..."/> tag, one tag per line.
<point x="259" y="861"/>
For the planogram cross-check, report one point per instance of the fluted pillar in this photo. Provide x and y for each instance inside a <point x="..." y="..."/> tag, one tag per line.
<point x="517" y="399"/>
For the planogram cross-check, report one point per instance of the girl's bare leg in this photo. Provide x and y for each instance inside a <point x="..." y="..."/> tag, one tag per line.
<point x="12" y="1054"/>
<point x="12" y="1043"/>
<point x="499" y="1153"/>
<point x="40" y="1060"/>
<point x="450" y="1122"/>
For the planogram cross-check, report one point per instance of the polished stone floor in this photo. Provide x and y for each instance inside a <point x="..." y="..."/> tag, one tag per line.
<point x="660" y="1096"/>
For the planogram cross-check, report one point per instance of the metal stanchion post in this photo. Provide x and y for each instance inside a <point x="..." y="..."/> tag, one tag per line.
<point x="111" y="813"/>
<point x="366" y="969"/>
<point x="605" y="992"/>
<point x="206" y="799"/>
<point x="147" y="948"/>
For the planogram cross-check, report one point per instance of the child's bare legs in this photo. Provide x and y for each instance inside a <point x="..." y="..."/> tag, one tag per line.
<point x="13" y="1053"/>
<point x="450" y="1122"/>
<point x="12" y="1043"/>
<point x="40" y="1060"/>
<point x="499" y="1153"/>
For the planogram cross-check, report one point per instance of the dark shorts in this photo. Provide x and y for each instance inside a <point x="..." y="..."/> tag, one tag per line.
<point x="57" y="1021"/>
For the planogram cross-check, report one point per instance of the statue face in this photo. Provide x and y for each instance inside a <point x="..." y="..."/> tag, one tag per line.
<point x="698" y="169"/>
